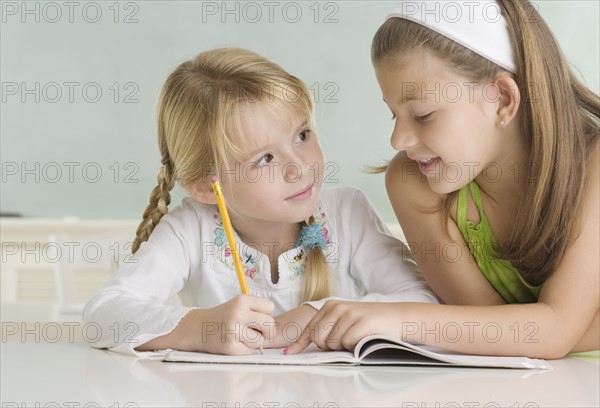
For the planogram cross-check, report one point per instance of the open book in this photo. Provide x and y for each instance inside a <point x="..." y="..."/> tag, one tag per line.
<point x="372" y="350"/>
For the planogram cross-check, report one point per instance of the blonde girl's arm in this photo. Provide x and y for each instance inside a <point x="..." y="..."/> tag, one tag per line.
<point x="443" y="257"/>
<point x="132" y="308"/>
<point x="131" y="314"/>
<point x="237" y="327"/>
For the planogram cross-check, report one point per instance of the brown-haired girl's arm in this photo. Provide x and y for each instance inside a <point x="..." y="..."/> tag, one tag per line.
<point x="438" y="247"/>
<point x="563" y="319"/>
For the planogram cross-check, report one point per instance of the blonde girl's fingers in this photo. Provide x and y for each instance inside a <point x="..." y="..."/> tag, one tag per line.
<point x="264" y="324"/>
<point x="258" y="304"/>
<point x="252" y="338"/>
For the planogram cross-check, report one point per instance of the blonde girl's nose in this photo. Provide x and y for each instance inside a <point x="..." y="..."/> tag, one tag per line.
<point x="294" y="171"/>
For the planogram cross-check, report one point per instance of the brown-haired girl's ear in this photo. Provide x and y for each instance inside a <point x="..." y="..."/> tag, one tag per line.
<point x="510" y="98"/>
<point x="203" y="192"/>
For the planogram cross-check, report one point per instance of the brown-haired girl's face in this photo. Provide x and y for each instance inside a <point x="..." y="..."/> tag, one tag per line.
<point x="442" y="120"/>
<point x="280" y="178"/>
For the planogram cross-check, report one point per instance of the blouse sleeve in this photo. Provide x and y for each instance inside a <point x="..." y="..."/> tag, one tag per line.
<point x="380" y="262"/>
<point x="132" y="307"/>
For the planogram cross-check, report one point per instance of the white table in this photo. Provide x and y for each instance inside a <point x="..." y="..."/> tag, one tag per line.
<point x="69" y="373"/>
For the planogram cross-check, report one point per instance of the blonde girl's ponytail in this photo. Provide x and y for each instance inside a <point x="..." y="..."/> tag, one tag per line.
<point x="316" y="284"/>
<point x="160" y="198"/>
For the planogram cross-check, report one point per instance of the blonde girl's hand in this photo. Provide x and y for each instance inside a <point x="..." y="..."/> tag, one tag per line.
<point x="236" y="327"/>
<point x="340" y="325"/>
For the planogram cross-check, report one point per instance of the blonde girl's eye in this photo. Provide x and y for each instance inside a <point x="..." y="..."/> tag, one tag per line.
<point x="264" y="160"/>
<point x="302" y="136"/>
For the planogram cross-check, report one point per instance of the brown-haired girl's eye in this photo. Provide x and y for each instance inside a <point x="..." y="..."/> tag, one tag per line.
<point x="424" y="118"/>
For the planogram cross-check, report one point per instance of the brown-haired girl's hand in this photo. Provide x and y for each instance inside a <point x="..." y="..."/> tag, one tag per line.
<point x="340" y="325"/>
<point x="289" y="325"/>
<point x="237" y="327"/>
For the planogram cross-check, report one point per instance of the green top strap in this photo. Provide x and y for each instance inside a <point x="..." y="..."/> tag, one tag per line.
<point x="505" y="279"/>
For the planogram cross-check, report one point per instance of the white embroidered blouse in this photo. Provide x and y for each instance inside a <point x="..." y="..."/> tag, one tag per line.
<point x="188" y="254"/>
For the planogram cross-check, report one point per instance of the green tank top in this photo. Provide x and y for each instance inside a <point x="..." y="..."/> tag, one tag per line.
<point x="507" y="281"/>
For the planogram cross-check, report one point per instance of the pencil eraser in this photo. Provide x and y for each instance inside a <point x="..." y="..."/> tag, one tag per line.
<point x="214" y="179"/>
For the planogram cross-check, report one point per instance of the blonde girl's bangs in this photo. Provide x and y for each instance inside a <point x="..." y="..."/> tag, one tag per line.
<point x="281" y="101"/>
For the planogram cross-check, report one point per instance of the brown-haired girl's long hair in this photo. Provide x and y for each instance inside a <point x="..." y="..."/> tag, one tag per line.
<point x="199" y="113"/>
<point x="560" y="117"/>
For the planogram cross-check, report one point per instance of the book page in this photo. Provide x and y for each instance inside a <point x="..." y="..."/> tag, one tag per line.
<point x="382" y="350"/>
<point x="311" y="356"/>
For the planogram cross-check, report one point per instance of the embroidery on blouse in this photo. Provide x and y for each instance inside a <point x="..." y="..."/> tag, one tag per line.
<point x="223" y="253"/>
<point x="295" y="264"/>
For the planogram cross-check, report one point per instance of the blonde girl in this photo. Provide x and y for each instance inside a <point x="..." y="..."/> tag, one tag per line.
<point x="234" y="114"/>
<point x="496" y="184"/>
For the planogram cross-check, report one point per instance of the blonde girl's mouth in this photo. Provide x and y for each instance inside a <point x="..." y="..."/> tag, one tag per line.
<point x="304" y="193"/>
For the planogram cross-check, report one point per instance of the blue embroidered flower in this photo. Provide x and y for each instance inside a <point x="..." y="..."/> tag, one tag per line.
<point x="219" y="237"/>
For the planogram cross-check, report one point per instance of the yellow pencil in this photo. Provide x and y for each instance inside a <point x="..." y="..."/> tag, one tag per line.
<point x="230" y="237"/>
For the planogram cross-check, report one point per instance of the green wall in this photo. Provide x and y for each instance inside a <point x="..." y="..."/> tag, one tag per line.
<point x="80" y="82"/>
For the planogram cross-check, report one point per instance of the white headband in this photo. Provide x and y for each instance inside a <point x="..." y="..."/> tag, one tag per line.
<point x="477" y="25"/>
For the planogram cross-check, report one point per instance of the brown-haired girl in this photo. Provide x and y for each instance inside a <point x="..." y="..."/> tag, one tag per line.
<point x="496" y="184"/>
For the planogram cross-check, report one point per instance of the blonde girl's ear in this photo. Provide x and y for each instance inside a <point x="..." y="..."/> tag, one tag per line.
<point x="203" y="192"/>
<point x="509" y="98"/>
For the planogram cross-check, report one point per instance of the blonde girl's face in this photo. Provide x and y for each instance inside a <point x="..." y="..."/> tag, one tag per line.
<point x="280" y="177"/>
<point x="444" y="122"/>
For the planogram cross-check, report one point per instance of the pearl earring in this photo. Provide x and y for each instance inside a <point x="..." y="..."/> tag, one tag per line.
<point x="502" y="123"/>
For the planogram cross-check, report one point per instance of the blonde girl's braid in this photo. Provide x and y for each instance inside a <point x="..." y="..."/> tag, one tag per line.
<point x="160" y="198"/>
<point x="316" y="285"/>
